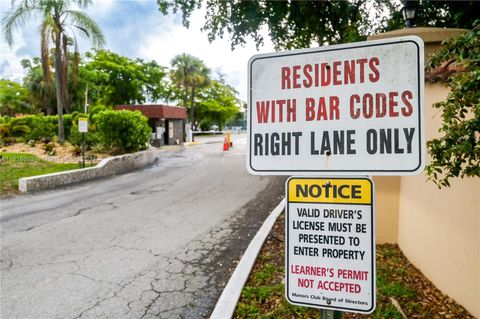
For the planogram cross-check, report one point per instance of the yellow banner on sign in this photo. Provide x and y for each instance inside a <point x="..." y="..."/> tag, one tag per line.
<point x="330" y="190"/>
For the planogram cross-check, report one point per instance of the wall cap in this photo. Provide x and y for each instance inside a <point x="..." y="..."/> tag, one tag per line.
<point x="429" y="35"/>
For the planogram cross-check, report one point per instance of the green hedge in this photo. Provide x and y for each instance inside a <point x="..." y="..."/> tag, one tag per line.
<point x="114" y="131"/>
<point x="123" y="131"/>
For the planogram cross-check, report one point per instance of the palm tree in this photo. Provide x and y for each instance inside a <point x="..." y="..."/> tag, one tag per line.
<point x="58" y="21"/>
<point x="190" y="74"/>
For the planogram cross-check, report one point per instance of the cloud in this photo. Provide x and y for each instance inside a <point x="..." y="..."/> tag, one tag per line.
<point x="4" y="65"/>
<point x="26" y="45"/>
<point x="216" y="55"/>
<point x="137" y="29"/>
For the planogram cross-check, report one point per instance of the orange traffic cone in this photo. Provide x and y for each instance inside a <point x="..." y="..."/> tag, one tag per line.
<point x="226" y="145"/>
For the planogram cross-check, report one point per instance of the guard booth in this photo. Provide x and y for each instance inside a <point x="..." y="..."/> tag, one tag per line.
<point x="167" y="122"/>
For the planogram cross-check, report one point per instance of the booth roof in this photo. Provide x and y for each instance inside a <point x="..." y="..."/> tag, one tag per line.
<point x="156" y="111"/>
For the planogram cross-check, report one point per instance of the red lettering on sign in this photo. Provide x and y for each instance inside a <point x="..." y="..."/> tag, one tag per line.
<point x="337" y="73"/>
<point x="361" y="63"/>
<point x="322" y="111"/>
<point x="296" y="77"/>
<point x="330" y="73"/>
<point x="349" y="67"/>
<point x="286" y="78"/>
<point x="392" y="104"/>
<point x="354" y="113"/>
<point x="408" y="109"/>
<point x="367" y="106"/>
<point x="325" y="74"/>
<point x="380" y="105"/>
<point x="267" y="111"/>
<point x="307" y="69"/>
<point x="371" y="105"/>
<point x="373" y="66"/>
<point x="352" y="274"/>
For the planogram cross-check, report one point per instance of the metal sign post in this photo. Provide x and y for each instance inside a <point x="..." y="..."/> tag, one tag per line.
<point x="83" y="128"/>
<point x="330" y="314"/>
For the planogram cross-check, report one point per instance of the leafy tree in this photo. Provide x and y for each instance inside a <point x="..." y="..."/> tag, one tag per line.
<point x="217" y="104"/>
<point x="189" y="73"/>
<point x="450" y="14"/>
<point x="120" y="80"/>
<point x="123" y="131"/>
<point x="57" y="19"/>
<point x="457" y="152"/>
<point x="42" y="94"/>
<point x="154" y="85"/>
<point x="303" y="24"/>
<point x="13" y="98"/>
<point x="291" y="24"/>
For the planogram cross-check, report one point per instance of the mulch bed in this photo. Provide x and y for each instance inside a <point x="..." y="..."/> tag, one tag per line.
<point x="400" y="288"/>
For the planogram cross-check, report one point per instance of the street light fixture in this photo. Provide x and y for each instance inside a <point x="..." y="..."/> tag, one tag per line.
<point x="409" y="10"/>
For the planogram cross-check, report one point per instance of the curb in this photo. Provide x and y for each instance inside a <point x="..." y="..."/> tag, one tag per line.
<point x="231" y="293"/>
<point x="107" y="167"/>
<point x="191" y="143"/>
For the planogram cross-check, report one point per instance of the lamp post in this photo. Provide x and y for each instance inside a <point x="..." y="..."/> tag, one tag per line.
<point x="409" y="11"/>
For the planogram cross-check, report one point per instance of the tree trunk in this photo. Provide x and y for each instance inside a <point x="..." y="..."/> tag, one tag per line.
<point x="59" y="88"/>
<point x="66" y="98"/>
<point x="185" y="97"/>
<point x="192" y="109"/>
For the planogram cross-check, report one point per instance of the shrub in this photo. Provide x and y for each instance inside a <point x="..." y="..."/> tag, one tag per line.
<point x="12" y="129"/>
<point x="116" y="131"/>
<point x="41" y="127"/>
<point x="122" y="131"/>
<point x="49" y="149"/>
<point x="97" y="109"/>
<point x="76" y="138"/>
<point x="68" y="120"/>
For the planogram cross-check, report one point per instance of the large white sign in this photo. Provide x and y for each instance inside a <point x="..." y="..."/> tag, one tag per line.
<point x="330" y="244"/>
<point x="338" y="110"/>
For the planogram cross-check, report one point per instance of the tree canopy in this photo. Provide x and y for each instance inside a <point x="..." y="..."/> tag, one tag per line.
<point x="13" y="98"/>
<point x="121" y="80"/>
<point x="217" y="103"/>
<point x="59" y="19"/>
<point x="442" y="14"/>
<point x="189" y="74"/>
<point x="41" y="92"/>
<point x="107" y="79"/>
<point x="301" y="24"/>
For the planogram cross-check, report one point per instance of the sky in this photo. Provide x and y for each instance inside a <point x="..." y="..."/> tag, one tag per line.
<point x="136" y="29"/>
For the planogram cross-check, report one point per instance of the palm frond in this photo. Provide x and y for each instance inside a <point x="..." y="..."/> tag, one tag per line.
<point x="83" y="3"/>
<point x="88" y="26"/>
<point x="17" y="18"/>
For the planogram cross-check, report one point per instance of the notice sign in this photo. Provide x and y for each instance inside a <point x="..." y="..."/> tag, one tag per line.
<point x="338" y="110"/>
<point x="83" y="125"/>
<point x="330" y="246"/>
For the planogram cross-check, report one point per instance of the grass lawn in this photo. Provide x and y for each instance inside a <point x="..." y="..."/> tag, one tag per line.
<point x="398" y="282"/>
<point x="16" y="165"/>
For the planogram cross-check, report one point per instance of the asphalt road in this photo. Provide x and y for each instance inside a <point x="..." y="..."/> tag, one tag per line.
<point x="155" y="243"/>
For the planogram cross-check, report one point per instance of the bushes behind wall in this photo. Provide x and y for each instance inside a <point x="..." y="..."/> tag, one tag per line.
<point x="117" y="132"/>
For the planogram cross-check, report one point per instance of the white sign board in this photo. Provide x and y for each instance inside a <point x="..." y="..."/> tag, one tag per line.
<point x="82" y="125"/>
<point x="330" y="243"/>
<point x="338" y="110"/>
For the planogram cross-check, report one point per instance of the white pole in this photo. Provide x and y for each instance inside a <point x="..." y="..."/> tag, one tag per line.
<point x="86" y="99"/>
